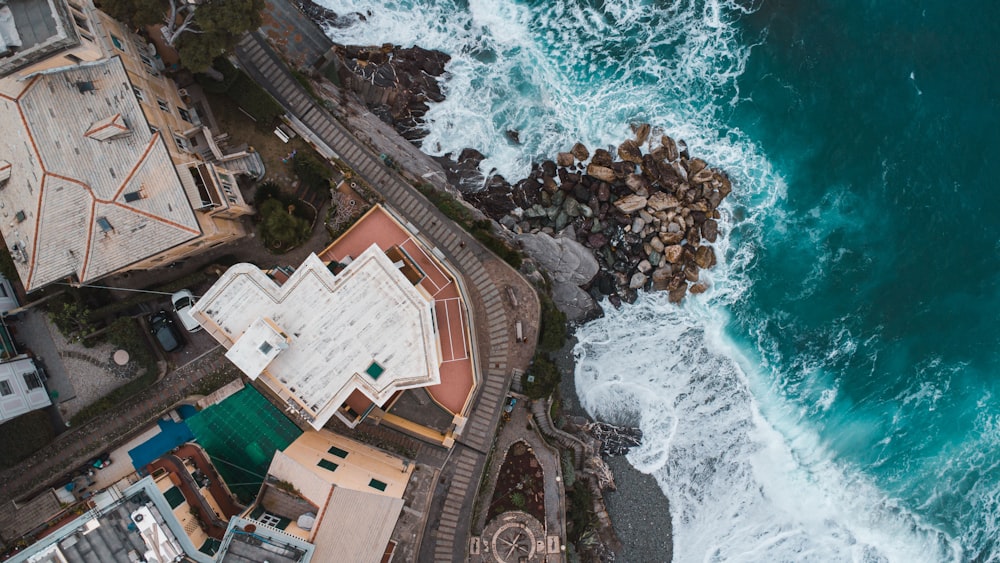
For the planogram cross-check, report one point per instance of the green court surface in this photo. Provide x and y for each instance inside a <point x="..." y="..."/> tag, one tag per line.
<point x="241" y="435"/>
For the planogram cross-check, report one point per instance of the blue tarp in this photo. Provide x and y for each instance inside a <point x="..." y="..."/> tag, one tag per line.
<point x="171" y="435"/>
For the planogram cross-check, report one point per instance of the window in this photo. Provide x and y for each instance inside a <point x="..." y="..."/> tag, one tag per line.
<point x="73" y="59"/>
<point x="138" y="94"/>
<point x="5" y="388"/>
<point x="328" y="465"/>
<point x="337" y="452"/>
<point x="269" y="520"/>
<point x="163" y="105"/>
<point x="32" y="380"/>
<point x="117" y="43"/>
<point x="376" y="484"/>
<point x="20" y="216"/>
<point x="104" y="224"/>
<point x="181" y="142"/>
<point x="133" y="196"/>
<point x="185" y="115"/>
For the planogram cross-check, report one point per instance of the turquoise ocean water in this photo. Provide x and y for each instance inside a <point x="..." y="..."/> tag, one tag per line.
<point x="834" y="396"/>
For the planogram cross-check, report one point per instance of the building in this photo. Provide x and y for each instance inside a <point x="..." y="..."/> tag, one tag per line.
<point x="139" y="523"/>
<point x="340" y="495"/>
<point x="22" y="388"/>
<point x="319" y="337"/>
<point x="348" y="332"/>
<point x="104" y="167"/>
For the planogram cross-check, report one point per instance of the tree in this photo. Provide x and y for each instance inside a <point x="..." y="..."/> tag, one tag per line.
<point x="210" y="29"/>
<point x="280" y="228"/>
<point x="136" y="13"/>
<point x="72" y="319"/>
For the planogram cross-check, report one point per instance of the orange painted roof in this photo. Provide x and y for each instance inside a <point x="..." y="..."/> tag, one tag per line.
<point x="457" y="372"/>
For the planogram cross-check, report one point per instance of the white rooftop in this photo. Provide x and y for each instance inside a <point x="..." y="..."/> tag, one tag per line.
<point x="72" y="205"/>
<point x="367" y="329"/>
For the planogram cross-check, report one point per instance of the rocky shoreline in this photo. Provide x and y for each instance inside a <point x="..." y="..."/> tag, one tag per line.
<point x="649" y="219"/>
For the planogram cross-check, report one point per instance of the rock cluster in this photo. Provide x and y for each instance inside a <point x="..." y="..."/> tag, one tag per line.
<point x="649" y="218"/>
<point x="395" y="83"/>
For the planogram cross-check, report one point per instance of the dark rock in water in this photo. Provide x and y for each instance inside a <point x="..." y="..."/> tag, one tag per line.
<point x="602" y="158"/>
<point x="629" y="151"/>
<point x="514" y="136"/>
<point x="677" y="295"/>
<point x="580" y="152"/>
<point x="642" y="133"/>
<point x="602" y="173"/>
<point x="710" y="230"/>
<point x="605" y="284"/>
<point x="671" y="148"/>
<point x="705" y="257"/>
<point x="564" y="159"/>
<point x="549" y="168"/>
<point x="698" y="288"/>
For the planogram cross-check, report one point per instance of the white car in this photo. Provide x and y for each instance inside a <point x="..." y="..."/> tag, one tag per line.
<point x="183" y="300"/>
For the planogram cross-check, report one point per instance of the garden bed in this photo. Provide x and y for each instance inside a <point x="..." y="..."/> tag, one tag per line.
<point x="520" y="484"/>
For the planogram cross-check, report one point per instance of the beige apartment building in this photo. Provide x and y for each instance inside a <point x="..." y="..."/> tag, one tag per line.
<point x="104" y="165"/>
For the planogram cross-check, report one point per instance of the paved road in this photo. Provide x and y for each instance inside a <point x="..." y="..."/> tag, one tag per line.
<point x="446" y="536"/>
<point x="72" y="449"/>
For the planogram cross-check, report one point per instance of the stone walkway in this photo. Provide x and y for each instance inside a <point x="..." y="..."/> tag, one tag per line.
<point x="72" y="449"/>
<point x="445" y="538"/>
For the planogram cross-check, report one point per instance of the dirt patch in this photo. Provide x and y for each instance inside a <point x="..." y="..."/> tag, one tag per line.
<point x="520" y="484"/>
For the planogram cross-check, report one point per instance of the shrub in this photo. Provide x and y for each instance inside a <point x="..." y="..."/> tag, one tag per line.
<point x="72" y="319"/>
<point x="580" y="515"/>
<point x="312" y="173"/>
<point x="280" y="228"/>
<point x="545" y="375"/>
<point x="517" y="499"/>
<point x="245" y="92"/>
<point x="552" y="335"/>
<point x="482" y="230"/>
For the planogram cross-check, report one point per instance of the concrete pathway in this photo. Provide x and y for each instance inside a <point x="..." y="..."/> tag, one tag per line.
<point x="445" y="538"/>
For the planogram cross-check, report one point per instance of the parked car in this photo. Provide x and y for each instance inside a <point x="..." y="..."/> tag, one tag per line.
<point x="183" y="300"/>
<point x="162" y="327"/>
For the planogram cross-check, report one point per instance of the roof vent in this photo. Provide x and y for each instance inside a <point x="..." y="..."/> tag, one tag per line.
<point x="108" y="128"/>
<point x="85" y="86"/>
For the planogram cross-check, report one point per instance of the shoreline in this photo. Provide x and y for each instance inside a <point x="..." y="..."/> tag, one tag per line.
<point x="639" y="510"/>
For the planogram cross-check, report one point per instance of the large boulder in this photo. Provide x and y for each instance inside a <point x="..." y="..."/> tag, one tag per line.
<point x="660" y="201"/>
<point x="562" y="257"/>
<point x="602" y="173"/>
<point x="629" y="152"/>
<point x="565" y="159"/>
<point x="580" y="152"/>
<point x="630" y="203"/>
<point x="574" y="302"/>
<point x="642" y="133"/>
<point x="673" y="253"/>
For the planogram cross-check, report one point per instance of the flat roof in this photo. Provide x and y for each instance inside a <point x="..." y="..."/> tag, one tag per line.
<point x="367" y="329"/>
<point x="68" y="210"/>
<point x="35" y="30"/>
<point x="263" y="543"/>
<point x="458" y="372"/>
